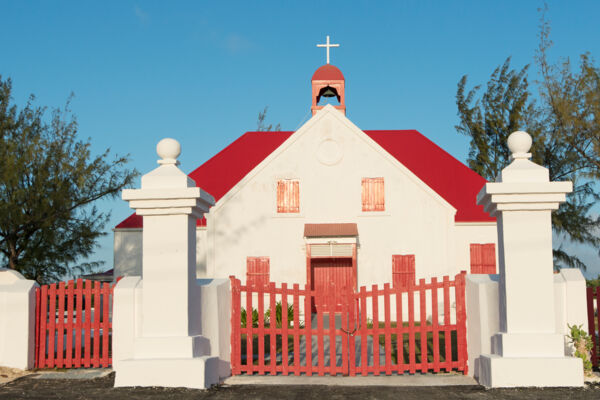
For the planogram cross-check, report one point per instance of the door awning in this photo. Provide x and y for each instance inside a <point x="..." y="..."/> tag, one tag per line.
<point x="330" y="230"/>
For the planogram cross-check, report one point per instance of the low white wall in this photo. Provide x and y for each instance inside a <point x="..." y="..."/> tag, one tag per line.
<point x="17" y="320"/>
<point x="211" y="305"/>
<point x="483" y="311"/>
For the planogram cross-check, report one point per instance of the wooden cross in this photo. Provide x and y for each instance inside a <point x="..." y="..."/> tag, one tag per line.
<point x="328" y="45"/>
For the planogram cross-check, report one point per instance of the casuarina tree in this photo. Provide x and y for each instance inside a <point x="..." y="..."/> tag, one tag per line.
<point x="563" y="120"/>
<point x="49" y="181"/>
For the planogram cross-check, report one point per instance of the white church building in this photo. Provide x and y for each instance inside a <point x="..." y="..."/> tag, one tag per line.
<point x="333" y="204"/>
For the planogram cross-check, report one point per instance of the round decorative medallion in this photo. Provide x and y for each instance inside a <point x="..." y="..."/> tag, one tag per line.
<point x="329" y="152"/>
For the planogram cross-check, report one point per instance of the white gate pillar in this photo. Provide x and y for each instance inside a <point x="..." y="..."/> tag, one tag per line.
<point x="157" y="321"/>
<point x="528" y="350"/>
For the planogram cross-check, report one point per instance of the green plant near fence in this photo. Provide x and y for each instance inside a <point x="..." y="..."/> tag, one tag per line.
<point x="583" y="344"/>
<point x="267" y="317"/>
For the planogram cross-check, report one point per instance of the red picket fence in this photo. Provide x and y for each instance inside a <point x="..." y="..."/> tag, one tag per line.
<point x="593" y="305"/>
<point x="378" y="331"/>
<point x="73" y="325"/>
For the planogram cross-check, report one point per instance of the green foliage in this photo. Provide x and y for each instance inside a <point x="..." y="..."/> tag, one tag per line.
<point x="593" y="283"/>
<point x="564" y="127"/>
<point x="49" y="181"/>
<point x="583" y="344"/>
<point x="261" y="125"/>
<point x="267" y="316"/>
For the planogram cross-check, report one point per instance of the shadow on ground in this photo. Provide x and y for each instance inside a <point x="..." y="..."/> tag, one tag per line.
<point x="102" y="389"/>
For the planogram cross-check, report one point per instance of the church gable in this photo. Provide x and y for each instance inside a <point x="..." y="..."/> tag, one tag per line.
<point x="329" y="148"/>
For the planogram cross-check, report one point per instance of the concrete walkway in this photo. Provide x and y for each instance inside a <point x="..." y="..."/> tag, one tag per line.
<point x="393" y="380"/>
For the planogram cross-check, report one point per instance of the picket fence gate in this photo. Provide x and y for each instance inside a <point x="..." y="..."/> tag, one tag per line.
<point x="73" y="325"/>
<point x="593" y="305"/>
<point x="350" y="343"/>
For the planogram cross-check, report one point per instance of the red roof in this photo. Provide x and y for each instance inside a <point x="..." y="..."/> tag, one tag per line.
<point x="447" y="176"/>
<point x="328" y="72"/>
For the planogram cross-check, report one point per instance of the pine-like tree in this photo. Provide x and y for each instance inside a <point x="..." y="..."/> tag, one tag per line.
<point x="49" y="181"/>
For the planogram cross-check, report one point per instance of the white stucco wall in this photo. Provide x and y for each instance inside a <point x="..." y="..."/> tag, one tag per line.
<point x="245" y="222"/>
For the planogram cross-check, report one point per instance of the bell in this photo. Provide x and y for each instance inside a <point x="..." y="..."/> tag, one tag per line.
<point x="329" y="92"/>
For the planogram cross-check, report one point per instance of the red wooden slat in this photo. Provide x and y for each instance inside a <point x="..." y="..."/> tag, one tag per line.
<point x="399" y="332"/>
<point x="51" y="325"/>
<point x="590" y="313"/>
<point x="249" y="334"/>
<point x="272" y="327"/>
<point x="435" y="325"/>
<point x="388" y="329"/>
<point x="308" y="301"/>
<point x="236" y="326"/>
<point x="37" y="326"/>
<point x="60" y="326"/>
<point x="43" y="312"/>
<point x="296" y="327"/>
<point x="352" y="327"/>
<point x="598" y="324"/>
<point x="70" y="296"/>
<point x="331" y="300"/>
<point x="363" y="331"/>
<point x="461" y="321"/>
<point x="375" y="306"/>
<point x="319" y="301"/>
<point x="447" y="331"/>
<point x="261" y="330"/>
<point x="345" y="327"/>
<point x="284" y="329"/>
<point x="79" y="322"/>
<point x="97" y="313"/>
<point x="411" y="329"/>
<point x="105" y="324"/>
<point x="88" y="323"/>
<point x="423" y="324"/>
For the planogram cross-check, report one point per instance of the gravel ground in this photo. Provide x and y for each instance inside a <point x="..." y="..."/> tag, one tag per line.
<point x="101" y="389"/>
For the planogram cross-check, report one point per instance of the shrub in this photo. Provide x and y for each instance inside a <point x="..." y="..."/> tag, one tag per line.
<point x="582" y="342"/>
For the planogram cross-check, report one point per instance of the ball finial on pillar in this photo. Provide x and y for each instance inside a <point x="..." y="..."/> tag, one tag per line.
<point x="519" y="143"/>
<point x="168" y="150"/>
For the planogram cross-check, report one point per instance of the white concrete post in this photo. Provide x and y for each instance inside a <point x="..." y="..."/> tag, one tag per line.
<point x="17" y="320"/>
<point x="168" y="348"/>
<point x="527" y="350"/>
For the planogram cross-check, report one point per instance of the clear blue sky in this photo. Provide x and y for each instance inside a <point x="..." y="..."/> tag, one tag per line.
<point x="201" y="71"/>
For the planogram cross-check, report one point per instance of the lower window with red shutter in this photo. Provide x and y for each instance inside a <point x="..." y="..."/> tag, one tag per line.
<point x="403" y="270"/>
<point x="483" y="258"/>
<point x="257" y="271"/>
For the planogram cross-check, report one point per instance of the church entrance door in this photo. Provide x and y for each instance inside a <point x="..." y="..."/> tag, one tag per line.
<point x="334" y="275"/>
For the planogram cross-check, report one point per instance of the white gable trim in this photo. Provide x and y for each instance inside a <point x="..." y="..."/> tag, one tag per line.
<point x="330" y="110"/>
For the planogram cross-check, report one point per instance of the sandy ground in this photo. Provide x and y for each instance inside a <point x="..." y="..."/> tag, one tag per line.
<point x="10" y="374"/>
<point x="38" y="388"/>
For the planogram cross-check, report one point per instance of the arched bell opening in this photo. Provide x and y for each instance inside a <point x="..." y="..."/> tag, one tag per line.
<point x="328" y="95"/>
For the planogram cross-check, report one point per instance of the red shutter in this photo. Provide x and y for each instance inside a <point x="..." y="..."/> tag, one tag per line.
<point x="257" y="271"/>
<point x="403" y="270"/>
<point x="373" y="194"/>
<point x="483" y="258"/>
<point x="288" y="196"/>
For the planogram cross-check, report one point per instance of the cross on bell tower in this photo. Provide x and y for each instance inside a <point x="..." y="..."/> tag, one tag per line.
<point x="328" y="46"/>
<point x="328" y="81"/>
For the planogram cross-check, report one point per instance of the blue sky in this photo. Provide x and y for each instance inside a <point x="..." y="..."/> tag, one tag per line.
<point x="201" y="71"/>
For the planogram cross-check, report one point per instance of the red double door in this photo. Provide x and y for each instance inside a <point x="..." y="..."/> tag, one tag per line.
<point x="331" y="275"/>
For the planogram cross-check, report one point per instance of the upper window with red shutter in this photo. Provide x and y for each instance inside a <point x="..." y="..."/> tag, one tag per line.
<point x="257" y="271"/>
<point x="483" y="258"/>
<point x="403" y="270"/>
<point x="373" y="194"/>
<point x="288" y="196"/>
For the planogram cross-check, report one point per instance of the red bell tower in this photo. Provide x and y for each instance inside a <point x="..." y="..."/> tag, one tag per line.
<point x="328" y="81"/>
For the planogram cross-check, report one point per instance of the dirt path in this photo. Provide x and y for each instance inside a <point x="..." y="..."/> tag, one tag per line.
<point x="101" y="389"/>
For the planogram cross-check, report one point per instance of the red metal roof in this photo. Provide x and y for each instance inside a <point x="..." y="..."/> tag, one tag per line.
<point x="326" y="230"/>
<point x="447" y="176"/>
<point x="328" y="72"/>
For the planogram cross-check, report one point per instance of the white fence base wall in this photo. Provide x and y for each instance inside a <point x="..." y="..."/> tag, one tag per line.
<point x="196" y="361"/>
<point x="491" y="370"/>
<point x="17" y="320"/>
